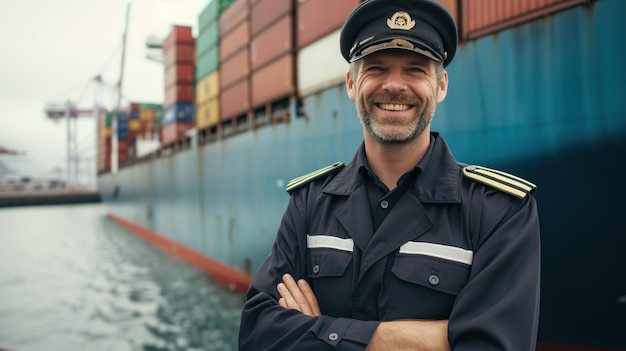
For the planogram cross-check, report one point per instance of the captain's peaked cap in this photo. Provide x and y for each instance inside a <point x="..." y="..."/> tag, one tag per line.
<point x="422" y="26"/>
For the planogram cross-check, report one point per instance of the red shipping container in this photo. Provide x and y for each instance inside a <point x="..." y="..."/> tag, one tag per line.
<point x="174" y="132"/>
<point x="179" y="73"/>
<point x="132" y="107"/>
<point x="264" y="12"/>
<point x="180" y="53"/>
<point x="274" y="81"/>
<point x="235" y="68"/>
<point x="182" y="92"/>
<point x="273" y="42"/>
<point x="235" y="100"/>
<point x="178" y="35"/>
<point x="235" y="40"/>
<point x="235" y="13"/>
<point x="317" y="18"/>
<point x="482" y="17"/>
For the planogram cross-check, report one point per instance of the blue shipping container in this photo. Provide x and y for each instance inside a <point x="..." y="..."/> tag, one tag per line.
<point x="181" y="112"/>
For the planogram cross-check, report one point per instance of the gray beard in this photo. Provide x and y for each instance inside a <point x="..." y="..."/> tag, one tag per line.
<point x="411" y="132"/>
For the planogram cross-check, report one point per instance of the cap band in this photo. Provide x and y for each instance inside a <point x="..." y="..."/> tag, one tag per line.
<point x="392" y="44"/>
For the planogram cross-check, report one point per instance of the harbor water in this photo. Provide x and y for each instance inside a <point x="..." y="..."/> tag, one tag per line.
<point x="70" y="279"/>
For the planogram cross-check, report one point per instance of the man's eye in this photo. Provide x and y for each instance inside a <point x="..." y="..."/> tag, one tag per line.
<point x="416" y="69"/>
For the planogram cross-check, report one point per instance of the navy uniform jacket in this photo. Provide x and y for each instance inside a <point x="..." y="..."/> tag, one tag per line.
<point x="451" y="248"/>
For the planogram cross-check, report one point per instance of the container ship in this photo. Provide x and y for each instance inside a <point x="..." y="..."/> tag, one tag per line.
<point x="257" y="98"/>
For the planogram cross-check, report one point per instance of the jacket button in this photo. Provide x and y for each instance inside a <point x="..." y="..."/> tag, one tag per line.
<point x="333" y="336"/>
<point x="433" y="280"/>
<point x="316" y="269"/>
<point x="384" y="204"/>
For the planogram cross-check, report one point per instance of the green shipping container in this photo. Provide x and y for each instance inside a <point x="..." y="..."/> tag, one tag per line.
<point x="209" y="14"/>
<point x="207" y="62"/>
<point x="108" y="119"/>
<point x="212" y="12"/>
<point x="208" y="37"/>
<point x="150" y="106"/>
<point x="158" y="114"/>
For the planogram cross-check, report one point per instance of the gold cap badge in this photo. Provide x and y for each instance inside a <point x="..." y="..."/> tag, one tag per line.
<point x="401" y="20"/>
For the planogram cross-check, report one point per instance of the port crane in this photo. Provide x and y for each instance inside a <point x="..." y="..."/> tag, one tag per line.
<point x="70" y="112"/>
<point x="4" y="170"/>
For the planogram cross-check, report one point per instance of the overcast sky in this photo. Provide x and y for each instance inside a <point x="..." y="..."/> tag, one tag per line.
<point x="50" y="52"/>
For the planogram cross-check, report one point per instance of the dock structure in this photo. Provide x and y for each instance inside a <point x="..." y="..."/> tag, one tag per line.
<point x="37" y="198"/>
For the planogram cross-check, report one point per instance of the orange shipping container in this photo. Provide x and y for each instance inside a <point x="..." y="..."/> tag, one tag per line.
<point x="274" y="81"/>
<point x="181" y="53"/>
<point x="208" y="113"/>
<point x="265" y="12"/>
<point x="147" y="115"/>
<point x="208" y="87"/>
<point x="482" y="17"/>
<point x="235" y="68"/>
<point x="235" y="40"/>
<point x="178" y="93"/>
<point x="235" y="100"/>
<point x="235" y="13"/>
<point x="273" y="42"/>
<point x="179" y="73"/>
<point x="318" y="18"/>
<point x="174" y="132"/>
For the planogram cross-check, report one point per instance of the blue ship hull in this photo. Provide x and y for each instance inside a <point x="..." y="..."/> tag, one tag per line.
<point x="543" y="101"/>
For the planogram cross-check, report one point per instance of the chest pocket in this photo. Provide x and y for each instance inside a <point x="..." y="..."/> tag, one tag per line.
<point x="328" y="262"/>
<point x="429" y="274"/>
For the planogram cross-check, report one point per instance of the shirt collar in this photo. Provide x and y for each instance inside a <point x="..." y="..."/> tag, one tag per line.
<point x="436" y="180"/>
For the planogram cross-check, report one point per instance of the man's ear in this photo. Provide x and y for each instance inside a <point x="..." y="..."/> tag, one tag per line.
<point x="443" y="87"/>
<point x="350" y="87"/>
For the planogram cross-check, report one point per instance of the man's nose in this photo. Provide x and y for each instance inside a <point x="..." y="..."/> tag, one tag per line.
<point x="395" y="81"/>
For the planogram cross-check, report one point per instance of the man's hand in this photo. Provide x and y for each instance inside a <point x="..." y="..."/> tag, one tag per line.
<point x="395" y="335"/>
<point x="298" y="296"/>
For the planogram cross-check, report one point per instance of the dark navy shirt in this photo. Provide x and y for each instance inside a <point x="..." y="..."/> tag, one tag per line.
<point x="448" y="247"/>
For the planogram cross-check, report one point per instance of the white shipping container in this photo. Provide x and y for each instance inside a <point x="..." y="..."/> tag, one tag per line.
<point x="320" y="65"/>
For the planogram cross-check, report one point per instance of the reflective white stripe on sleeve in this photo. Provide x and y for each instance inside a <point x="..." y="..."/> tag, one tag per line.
<point x="445" y="252"/>
<point x="329" y="242"/>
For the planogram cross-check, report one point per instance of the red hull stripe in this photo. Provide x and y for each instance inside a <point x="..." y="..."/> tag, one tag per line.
<point x="543" y="346"/>
<point x="230" y="277"/>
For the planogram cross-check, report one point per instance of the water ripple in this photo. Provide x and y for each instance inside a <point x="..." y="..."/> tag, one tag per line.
<point x="72" y="280"/>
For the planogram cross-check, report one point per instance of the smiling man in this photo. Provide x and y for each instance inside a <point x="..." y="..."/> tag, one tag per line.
<point x="404" y="248"/>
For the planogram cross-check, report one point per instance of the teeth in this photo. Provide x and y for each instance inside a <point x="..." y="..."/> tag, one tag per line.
<point x="394" y="107"/>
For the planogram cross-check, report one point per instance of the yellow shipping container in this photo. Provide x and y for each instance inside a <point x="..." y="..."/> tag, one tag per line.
<point x="208" y="113"/>
<point x="107" y="132"/>
<point x="134" y="125"/>
<point x="208" y="87"/>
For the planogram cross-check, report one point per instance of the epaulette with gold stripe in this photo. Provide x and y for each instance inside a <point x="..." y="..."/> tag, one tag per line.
<point x="500" y="180"/>
<point x="301" y="180"/>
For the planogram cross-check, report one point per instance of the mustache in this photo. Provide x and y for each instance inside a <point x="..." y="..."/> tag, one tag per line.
<point x="397" y="98"/>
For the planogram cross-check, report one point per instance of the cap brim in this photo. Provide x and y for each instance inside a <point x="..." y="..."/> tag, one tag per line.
<point x="395" y="43"/>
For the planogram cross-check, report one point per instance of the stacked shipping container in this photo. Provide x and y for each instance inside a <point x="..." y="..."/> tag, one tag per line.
<point x="255" y="56"/>
<point x="482" y="17"/>
<point x="105" y="134"/>
<point x="207" y="68"/>
<point x="178" y="53"/>
<point x="272" y="53"/>
<point x="320" y="63"/>
<point x="234" y="55"/>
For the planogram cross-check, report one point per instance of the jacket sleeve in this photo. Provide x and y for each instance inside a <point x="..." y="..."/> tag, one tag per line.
<point x="498" y="309"/>
<point x="265" y="325"/>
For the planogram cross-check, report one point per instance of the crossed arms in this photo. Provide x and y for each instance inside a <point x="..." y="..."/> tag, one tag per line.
<point x="393" y="335"/>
